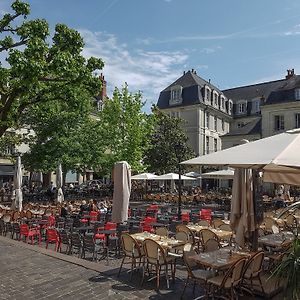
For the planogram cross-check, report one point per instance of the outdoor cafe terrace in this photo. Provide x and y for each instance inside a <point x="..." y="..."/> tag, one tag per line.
<point x="154" y="249"/>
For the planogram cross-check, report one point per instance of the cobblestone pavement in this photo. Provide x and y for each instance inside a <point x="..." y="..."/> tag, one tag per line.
<point x="31" y="272"/>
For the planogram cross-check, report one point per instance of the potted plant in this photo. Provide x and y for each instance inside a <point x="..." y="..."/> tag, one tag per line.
<point x="289" y="269"/>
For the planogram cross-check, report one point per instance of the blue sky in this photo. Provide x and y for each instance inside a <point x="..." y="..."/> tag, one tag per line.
<point x="149" y="43"/>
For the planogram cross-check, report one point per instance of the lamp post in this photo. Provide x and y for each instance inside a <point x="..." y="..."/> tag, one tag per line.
<point x="178" y="152"/>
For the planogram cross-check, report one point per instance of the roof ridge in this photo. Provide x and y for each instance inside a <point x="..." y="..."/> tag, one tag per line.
<point x="256" y="84"/>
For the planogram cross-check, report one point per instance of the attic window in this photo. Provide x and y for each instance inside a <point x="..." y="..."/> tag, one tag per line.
<point x="176" y="95"/>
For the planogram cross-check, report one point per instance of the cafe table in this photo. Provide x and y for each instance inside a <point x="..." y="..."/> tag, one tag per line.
<point x="220" y="259"/>
<point x="277" y="240"/>
<point x="165" y="242"/>
<point x="222" y="234"/>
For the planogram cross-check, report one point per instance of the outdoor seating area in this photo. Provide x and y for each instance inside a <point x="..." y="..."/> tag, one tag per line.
<point x="155" y="243"/>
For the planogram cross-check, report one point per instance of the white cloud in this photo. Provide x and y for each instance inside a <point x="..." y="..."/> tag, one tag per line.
<point x="148" y="71"/>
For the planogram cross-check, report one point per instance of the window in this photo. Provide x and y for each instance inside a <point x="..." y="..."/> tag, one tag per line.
<point x="297" y="94"/>
<point x="216" y="98"/>
<point x="207" y="145"/>
<point x="176" y="95"/>
<point x="222" y="102"/>
<point x="207" y="120"/>
<point x="215" y="145"/>
<point x="230" y="107"/>
<point x="255" y="106"/>
<point x="223" y="125"/>
<point x="215" y="123"/>
<point x="278" y="123"/>
<point x="242" y="107"/>
<point x="207" y="94"/>
<point x="297" y="119"/>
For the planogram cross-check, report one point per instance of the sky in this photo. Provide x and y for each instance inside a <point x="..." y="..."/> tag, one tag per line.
<point x="149" y="43"/>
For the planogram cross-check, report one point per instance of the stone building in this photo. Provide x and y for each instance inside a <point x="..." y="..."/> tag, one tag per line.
<point x="263" y="109"/>
<point x="206" y="110"/>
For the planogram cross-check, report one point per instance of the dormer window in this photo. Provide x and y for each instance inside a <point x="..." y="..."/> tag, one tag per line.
<point x="255" y="106"/>
<point x="230" y="105"/>
<point x="215" y="98"/>
<point x="176" y="95"/>
<point x="222" y="102"/>
<point x="297" y="94"/>
<point x="242" y="107"/>
<point x="207" y="94"/>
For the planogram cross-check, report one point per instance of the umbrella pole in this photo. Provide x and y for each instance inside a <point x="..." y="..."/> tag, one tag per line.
<point x="179" y="193"/>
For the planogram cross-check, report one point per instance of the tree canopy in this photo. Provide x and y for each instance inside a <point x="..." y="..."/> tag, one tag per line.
<point x="124" y="128"/>
<point x="168" y="144"/>
<point x="41" y="73"/>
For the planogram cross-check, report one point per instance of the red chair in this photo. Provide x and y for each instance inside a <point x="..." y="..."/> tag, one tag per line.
<point x="98" y="235"/>
<point x="205" y="214"/>
<point x="27" y="232"/>
<point x="129" y="212"/>
<point x="52" y="236"/>
<point x="110" y="226"/>
<point x="85" y="218"/>
<point x="185" y="217"/>
<point x="51" y="221"/>
<point x="94" y="216"/>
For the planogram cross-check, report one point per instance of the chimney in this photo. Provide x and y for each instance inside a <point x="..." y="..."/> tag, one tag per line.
<point x="103" y="94"/>
<point x="209" y="80"/>
<point x="192" y="70"/>
<point x="290" y="73"/>
<point x="183" y="72"/>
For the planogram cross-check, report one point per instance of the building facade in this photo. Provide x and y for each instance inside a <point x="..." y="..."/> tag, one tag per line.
<point x="205" y="110"/>
<point x="263" y="109"/>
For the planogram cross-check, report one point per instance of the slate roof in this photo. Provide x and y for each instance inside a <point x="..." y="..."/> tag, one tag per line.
<point x="253" y="127"/>
<point x="192" y="90"/>
<point x="249" y="92"/>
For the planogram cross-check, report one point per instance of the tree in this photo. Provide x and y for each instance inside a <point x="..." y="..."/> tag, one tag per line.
<point x="124" y="128"/>
<point x="168" y="144"/>
<point x="39" y="73"/>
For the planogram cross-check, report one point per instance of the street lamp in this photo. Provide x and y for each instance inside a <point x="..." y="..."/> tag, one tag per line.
<point x="179" y="156"/>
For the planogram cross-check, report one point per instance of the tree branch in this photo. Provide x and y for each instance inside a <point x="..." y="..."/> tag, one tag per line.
<point x="23" y="42"/>
<point x="10" y="19"/>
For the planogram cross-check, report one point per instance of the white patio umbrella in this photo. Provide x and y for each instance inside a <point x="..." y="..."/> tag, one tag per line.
<point x="277" y="156"/>
<point x="193" y="174"/>
<point x="144" y="176"/>
<point x="59" y="183"/>
<point x="221" y="174"/>
<point x="173" y="176"/>
<point x="122" y="189"/>
<point x="18" y="195"/>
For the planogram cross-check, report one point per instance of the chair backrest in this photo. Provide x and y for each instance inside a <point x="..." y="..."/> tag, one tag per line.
<point x="234" y="275"/>
<point x="217" y="222"/>
<point x="6" y="218"/>
<point x="110" y="226"/>
<point x="76" y="239"/>
<point x="211" y="245"/>
<point x="269" y="222"/>
<point x="203" y="223"/>
<point x="162" y="231"/>
<point x="189" y="251"/>
<point x="130" y="245"/>
<point x="28" y="214"/>
<point x="52" y="234"/>
<point x="184" y="228"/>
<point x="206" y="234"/>
<point x="182" y="236"/>
<point x="24" y="229"/>
<point x="225" y="227"/>
<point x="153" y="251"/>
<point x="64" y="237"/>
<point x="255" y="264"/>
<point x="16" y="227"/>
<point x="88" y="241"/>
<point x="94" y="216"/>
<point x="290" y="220"/>
<point x="51" y="220"/>
<point x="185" y="217"/>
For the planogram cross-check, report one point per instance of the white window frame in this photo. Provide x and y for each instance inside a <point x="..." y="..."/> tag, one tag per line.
<point x="176" y="95"/>
<point x="215" y="98"/>
<point x="207" y="94"/>
<point x="242" y="107"/>
<point x="222" y="124"/>
<point x="215" y="144"/>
